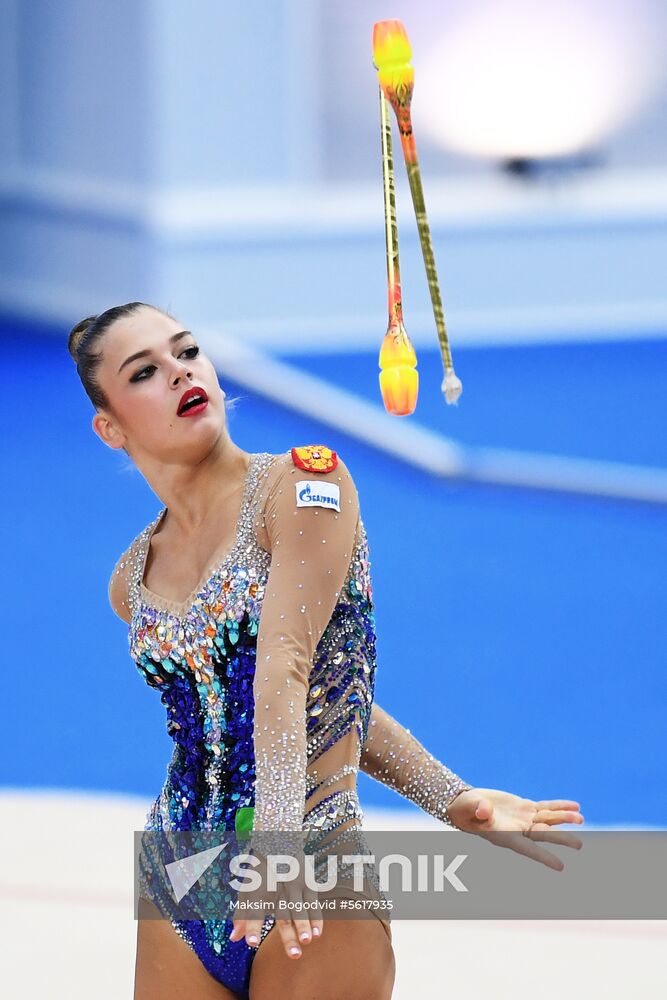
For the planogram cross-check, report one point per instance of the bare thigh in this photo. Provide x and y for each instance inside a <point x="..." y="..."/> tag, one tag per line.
<point x="353" y="959"/>
<point x="168" y="969"/>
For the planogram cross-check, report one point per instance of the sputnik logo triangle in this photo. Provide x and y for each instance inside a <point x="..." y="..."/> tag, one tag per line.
<point x="184" y="872"/>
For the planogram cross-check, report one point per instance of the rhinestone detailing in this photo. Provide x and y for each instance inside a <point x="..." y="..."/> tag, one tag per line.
<point x="312" y="785"/>
<point x="262" y="672"/>
<point x="307" y="647"/>
<point x="334" y="810"/>
<point x="392" y="755"/>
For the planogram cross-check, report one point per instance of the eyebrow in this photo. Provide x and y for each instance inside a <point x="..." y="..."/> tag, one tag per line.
<point x="143" y="354"/>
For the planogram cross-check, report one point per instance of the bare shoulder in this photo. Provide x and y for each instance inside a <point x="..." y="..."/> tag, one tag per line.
<point x="119" y="584"/>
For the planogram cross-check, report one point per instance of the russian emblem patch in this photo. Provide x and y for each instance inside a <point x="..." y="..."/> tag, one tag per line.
<point x="315" y="458"/>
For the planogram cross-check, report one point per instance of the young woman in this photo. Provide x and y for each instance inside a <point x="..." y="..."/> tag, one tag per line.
<point x="249" y="604"/>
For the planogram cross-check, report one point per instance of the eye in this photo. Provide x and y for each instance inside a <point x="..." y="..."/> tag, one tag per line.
<point x="144" y="373"/>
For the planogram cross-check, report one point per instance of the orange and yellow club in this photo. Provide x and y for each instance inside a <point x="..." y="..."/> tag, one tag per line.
<point x="392" y="57"/>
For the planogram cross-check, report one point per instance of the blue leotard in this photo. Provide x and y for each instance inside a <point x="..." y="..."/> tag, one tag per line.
<point x="295" y="584"/>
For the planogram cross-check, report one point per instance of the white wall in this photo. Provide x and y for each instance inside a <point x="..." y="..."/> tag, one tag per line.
<point x="222" y="161"/>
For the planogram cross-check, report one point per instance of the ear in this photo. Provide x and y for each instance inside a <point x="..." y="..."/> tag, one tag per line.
<point x="107" y="430"/>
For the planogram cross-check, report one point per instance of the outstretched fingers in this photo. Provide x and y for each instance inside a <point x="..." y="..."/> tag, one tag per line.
<point x="526" y="845"/>
<point x="554" y="811"/>
<point x="543" y="832"/>
<point x="522" y="844"/>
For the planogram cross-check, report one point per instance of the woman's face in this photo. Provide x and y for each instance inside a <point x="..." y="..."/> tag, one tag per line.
<point x="149" y="367"/>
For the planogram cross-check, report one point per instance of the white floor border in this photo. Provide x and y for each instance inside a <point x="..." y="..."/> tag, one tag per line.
<point x="68" y="930"/>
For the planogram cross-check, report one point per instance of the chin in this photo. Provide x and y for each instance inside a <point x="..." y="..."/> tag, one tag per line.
<point x="199" y="434"/>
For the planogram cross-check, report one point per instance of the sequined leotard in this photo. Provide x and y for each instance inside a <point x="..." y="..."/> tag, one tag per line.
<point x="267" y="673"/>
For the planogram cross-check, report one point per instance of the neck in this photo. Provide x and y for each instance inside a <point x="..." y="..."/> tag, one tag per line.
<point x="193" y="493"/>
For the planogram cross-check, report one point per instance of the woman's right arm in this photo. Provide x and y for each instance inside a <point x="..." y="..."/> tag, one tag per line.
<point x="393" y="756"/>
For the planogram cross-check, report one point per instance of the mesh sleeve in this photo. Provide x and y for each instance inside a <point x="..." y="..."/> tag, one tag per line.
<point x="393" y="756"/>
<point x="311" y="544"/>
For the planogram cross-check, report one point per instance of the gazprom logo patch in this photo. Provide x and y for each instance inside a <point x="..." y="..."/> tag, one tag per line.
<point x="311" y="493"/>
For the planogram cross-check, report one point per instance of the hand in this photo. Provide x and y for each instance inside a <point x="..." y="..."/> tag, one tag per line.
<point x="295" y="931"/>
<point x="489" y="812"/>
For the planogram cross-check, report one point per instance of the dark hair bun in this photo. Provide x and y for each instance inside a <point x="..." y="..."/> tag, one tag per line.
<point x="77" y="334"/>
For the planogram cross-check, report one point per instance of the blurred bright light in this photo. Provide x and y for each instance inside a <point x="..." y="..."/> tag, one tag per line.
<point x="537" y="78"/>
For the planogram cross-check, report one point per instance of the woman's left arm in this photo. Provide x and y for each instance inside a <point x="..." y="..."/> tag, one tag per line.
<point x="396" y="758"/>
<point x="392" y="755"/>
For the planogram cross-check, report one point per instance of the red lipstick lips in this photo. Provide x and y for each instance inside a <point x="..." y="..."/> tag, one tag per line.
<point x="193" y="401"/>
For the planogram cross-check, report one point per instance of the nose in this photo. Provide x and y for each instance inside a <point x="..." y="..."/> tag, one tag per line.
<point x="179" y="374"/>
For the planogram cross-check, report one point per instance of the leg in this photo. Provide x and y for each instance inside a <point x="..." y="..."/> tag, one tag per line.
<point x="353" y="959"/>
<point x="167" y="968"/>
